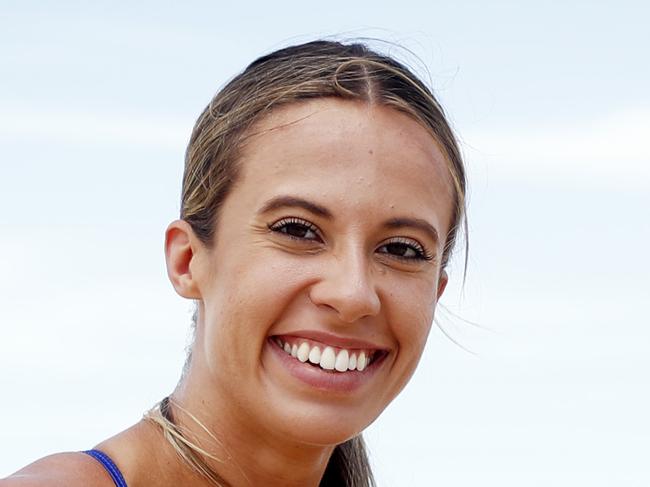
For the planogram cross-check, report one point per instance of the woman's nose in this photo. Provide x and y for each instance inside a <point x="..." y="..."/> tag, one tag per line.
<point x="347" y="287"/>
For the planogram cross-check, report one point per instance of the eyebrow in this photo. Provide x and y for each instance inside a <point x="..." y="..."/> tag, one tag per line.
<point x="418" y="223"/>
<point x="295" y="202"/>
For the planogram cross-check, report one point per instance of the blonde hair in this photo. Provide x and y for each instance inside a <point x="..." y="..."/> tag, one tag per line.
<point x="313" y="70"/>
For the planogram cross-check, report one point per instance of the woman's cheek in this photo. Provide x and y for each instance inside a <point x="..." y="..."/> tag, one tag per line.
<point x="259" y="292"/>
<point x="411" y="315"/>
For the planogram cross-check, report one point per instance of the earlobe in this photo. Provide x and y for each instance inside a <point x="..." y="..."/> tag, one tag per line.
<point x="443" y="279"/>
<point x="180" y="243"/>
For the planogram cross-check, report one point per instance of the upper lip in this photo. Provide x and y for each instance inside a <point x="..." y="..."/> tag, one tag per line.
<point x="334" y="340"/>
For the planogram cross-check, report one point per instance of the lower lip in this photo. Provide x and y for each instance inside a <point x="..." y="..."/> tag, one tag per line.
<point x="331" y="381"/>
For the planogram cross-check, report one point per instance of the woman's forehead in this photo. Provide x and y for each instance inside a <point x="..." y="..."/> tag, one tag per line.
<point x="345" y="151"/>
<point x="339" y="130"/>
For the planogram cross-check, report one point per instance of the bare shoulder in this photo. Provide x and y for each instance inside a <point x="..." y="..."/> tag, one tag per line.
<point x="72" y="469"/>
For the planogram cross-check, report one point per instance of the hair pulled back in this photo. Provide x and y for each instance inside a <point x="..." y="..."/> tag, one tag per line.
<point x="316" y="69"/>
<point x="212" y="164"/>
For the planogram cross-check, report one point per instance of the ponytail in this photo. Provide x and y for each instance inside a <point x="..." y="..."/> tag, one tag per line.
<point x="349" y="466"/>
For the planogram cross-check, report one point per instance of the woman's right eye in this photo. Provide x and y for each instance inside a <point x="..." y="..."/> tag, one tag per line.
<point x="296" y="228"/>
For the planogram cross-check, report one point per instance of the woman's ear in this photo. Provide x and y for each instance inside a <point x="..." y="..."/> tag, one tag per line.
<point x="443" y="279"/>
<point x="180" y="248"/>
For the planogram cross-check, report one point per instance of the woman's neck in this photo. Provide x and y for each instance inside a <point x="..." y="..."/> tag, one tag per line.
<point x="243" y="453"/>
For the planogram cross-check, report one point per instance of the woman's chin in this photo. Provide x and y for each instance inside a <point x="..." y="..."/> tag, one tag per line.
<point x="303" y="421"/>
<point x="320" y="430"/>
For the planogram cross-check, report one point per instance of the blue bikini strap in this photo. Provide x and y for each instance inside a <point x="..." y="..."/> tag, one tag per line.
<point x="110" y="467"/>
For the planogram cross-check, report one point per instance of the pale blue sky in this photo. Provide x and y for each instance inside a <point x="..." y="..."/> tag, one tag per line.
<point x="551" y="103"/>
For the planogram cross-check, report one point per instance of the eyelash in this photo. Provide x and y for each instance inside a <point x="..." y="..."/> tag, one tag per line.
<point x="420" y="252"/>
<point x="281" y="227"/>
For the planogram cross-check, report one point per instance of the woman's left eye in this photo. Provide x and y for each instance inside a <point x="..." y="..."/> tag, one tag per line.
<point x="296" y="228"/>
<point x="405" y="249"/>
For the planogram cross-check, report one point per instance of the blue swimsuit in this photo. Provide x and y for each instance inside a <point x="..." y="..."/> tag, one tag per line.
<point x="110" y="467"/>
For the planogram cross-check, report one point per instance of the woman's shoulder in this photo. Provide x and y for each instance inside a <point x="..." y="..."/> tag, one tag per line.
<point x="70" y="469"/>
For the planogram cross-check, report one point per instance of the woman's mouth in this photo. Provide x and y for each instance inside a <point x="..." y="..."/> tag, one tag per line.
<point x="324" y="362"/>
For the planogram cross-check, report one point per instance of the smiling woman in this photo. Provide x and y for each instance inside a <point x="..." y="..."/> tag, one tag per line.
<point x="322" y="195"/>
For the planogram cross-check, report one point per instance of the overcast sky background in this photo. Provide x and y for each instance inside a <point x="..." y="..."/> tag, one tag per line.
<point x="552" y="105"/>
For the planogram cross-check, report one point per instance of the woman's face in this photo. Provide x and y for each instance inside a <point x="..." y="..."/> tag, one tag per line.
<point x="326" y="258"/>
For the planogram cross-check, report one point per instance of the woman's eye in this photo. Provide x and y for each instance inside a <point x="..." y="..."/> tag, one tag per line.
<point x="296" y="228"/>
<point x="405" y="249"/>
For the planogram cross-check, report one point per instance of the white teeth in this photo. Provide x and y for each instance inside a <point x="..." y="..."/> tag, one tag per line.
<point x="342" y="360"/>
<point x="361" y="361"/>
<point x="328" y="359"/>
<point x="303" y="352"/>
<point x="352" y="365"/>
<point x="314" y="355"/>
